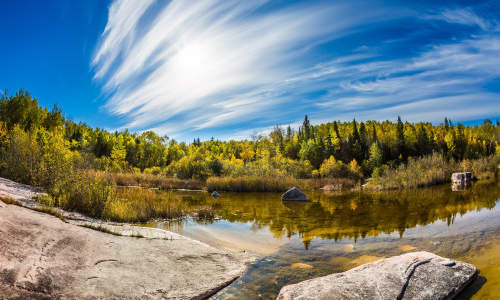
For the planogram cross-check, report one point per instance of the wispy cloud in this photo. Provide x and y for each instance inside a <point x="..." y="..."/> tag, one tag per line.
<point x="466" y="16"/>
<point x="446" y="70"/>
<point x="186" y="66"/>
<point x="207" y="59"/>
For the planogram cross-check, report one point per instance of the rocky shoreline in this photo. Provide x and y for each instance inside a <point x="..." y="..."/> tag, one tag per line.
<point x="415" y="275"/>
<point x="76" y="257"/>
<point x="42" y="257"/>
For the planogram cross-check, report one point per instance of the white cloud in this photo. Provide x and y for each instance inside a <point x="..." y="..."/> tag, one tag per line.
<point x="453" y="71"/>
<point x="197" y="58"/>
<point x="122" y="22"/>
<point x="195" y="66"/>
<point x="466" y="16"/>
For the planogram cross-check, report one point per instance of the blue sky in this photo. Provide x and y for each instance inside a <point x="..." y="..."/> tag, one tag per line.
<point x="232" y="68"/>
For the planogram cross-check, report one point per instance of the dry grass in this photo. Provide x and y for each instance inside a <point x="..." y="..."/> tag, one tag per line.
<point x="431" y="170"/>
<point x="8" y="200"/>
<point x="274" y="184"/>
<point x="141" y="205"/>
<point x="42" y="209"/>
<point x="150" y="181"/>
<point x="99" y="228"/>
<point x="50" y="211"/>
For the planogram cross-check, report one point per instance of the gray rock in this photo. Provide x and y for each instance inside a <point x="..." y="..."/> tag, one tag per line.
<point x="215" y="194"/>
<point x="42" y="257"/>
<point x="416" y="275"/>
<point x="461" y="177"/>
<point x="293" y="194"/>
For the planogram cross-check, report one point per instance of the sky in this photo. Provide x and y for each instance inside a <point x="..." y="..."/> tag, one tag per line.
<point x="230" y="69"/>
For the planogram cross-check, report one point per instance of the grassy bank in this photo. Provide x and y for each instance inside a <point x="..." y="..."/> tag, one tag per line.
<point x="150" y="181"/>
<point x="274" y="184"/>
<point x="431" y="170"/>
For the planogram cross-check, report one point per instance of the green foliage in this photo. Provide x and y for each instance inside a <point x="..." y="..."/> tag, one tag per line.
<point x="87" y="194"/>
<point x="430" y="170"/>
<point x="40" y="147"/>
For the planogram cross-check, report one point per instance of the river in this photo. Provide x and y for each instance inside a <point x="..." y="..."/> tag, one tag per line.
<point x="334" y="232"/>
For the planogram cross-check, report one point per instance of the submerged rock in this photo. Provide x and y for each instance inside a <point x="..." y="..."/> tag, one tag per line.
<point x="215" y="194"/>
<point x="415" y="275"/>
<point x="293" y="194"/>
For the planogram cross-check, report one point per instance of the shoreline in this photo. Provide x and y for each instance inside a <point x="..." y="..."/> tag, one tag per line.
<point x="74" y="261"/>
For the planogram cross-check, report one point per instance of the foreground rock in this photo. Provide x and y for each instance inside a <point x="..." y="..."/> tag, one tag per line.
<point x="42" y="257"/>
<point x="416" y="275"/>
<point x="294" y="194"/>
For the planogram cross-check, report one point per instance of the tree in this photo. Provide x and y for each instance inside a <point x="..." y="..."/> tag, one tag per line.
<point x="311" y="150"/>
<point x="423" y="145"/>
<point x="446" y="124"/>
<point x="306" y="129"/>
<point x="356" y="146"/>
<point x="400" y="139"/>
<point x="376" y="157"/>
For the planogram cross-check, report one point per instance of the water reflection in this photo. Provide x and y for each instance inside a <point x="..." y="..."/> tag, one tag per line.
<point x="338" y="216"/>
<point x="336" y="232"/>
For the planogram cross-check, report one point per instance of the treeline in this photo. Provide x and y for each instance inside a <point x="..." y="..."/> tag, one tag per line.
<point x="336" y="149"/>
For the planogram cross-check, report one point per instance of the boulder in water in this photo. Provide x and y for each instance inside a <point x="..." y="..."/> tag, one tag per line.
<point x="461" y="177"/>
<point x="294" y="194"/>
<point x="415" y="275"/>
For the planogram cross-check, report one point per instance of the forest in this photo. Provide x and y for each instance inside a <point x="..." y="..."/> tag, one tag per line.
<point x="70" y="160"/>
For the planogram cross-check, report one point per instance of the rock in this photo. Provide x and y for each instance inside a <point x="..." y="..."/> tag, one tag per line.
<point x="415" y="275"/>
<point x="332" y="188"/>
<point x="461" y="177"/>
<point x="215" y="194"/>
<point x="42" y="257"/>
<point x="293" y="194"/>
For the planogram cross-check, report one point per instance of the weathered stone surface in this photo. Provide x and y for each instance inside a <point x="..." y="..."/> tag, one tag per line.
<point x="294" y="194"/>
<point x="42" y="257"/>
<point x="461" y="177"/>
<point x="416" y="275"/>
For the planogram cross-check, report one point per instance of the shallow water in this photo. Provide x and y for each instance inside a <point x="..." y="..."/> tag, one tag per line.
<point x="334" y="232"/>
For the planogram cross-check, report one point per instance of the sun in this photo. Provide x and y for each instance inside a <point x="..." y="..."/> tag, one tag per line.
<point x="194" y="60"/>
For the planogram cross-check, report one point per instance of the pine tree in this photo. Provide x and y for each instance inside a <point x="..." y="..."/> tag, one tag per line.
<point x="289" y="133"/>
<point x="374" y="135"/>
<point x="355" y="143"/>
<point x="306" y="128"/>
<point x="376" y="157"/>
<point x="400" y="142"/>
<point x="446" y="124"/>
<point x="363" y="137"/>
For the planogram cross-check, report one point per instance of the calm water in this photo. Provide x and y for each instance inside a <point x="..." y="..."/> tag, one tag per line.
<point x="335" y="232"/>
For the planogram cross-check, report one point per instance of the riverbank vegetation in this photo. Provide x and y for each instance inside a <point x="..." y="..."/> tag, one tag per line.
<point x="80" y="167"/>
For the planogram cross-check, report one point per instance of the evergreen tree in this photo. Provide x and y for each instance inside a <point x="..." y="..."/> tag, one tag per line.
<point x="376" y="157"/>
<point x="400" y="139"/>
<point x="355" y="143"/>
<point x="363" y="138"/>
<point x="305" y="129"/>
<point x="374" y="135"/>
<point x="423" y="146"/>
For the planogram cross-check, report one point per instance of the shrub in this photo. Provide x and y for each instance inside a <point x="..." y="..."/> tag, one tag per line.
<point x="431" y="170"/>
<point x="332" y="168"/>
<point x="87" y="194"/>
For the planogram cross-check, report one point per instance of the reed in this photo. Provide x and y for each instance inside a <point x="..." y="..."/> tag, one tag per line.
<point x="141" y="205"/>
<point x="431" y="170"/>
<point x="274" y="184"/>
<point x="150" y="181"/>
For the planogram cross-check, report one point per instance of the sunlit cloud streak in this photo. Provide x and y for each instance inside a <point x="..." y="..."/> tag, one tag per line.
<point x="183" y="67"/>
